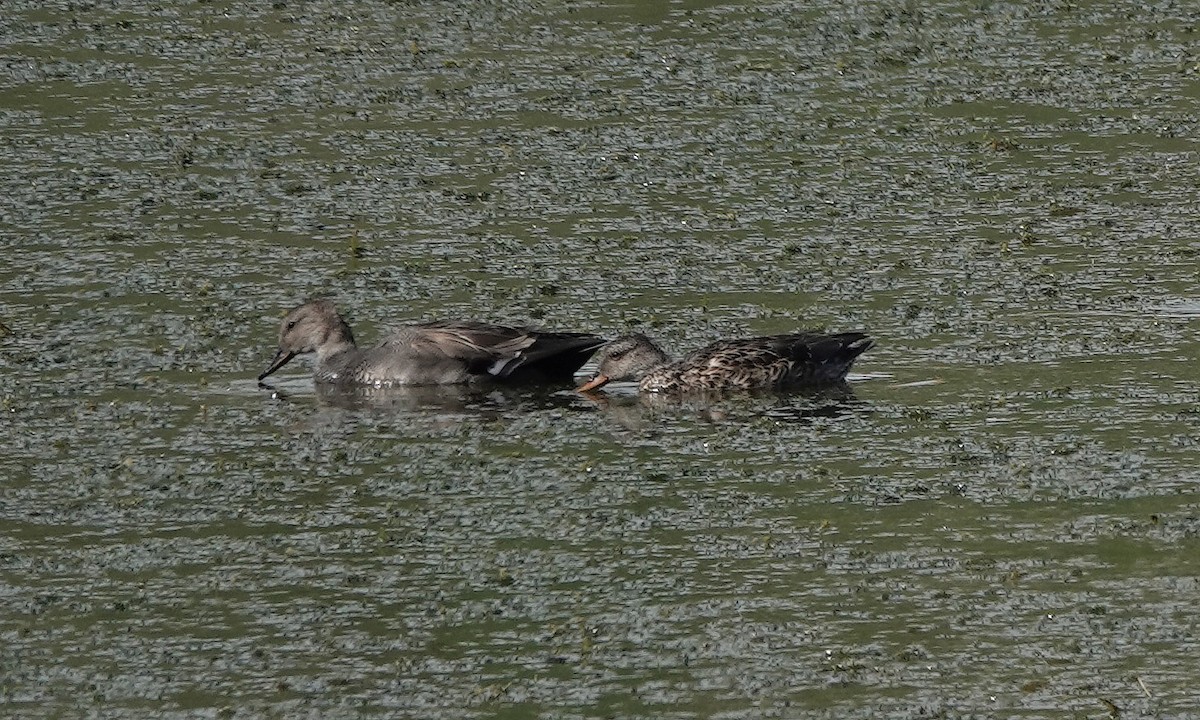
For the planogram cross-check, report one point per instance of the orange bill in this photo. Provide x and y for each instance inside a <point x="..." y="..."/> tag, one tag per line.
<point x="597" y="382"/>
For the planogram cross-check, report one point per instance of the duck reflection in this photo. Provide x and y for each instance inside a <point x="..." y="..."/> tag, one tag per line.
<point x="636" y="410"/>
<point x="456" y="399"/>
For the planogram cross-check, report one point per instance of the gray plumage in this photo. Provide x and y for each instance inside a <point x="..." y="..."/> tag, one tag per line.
<point x="431" y="353"/>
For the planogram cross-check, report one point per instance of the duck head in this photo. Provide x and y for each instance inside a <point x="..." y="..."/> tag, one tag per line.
<point x="313" y="327"/>
<point x="629" y="357"/>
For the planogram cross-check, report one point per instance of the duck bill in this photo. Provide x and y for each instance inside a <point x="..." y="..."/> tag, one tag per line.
<point x="281" y="358"/>
<point x="597" y="382"/>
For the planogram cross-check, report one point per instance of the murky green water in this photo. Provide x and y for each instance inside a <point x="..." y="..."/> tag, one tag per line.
<point x="1000" y="521"/>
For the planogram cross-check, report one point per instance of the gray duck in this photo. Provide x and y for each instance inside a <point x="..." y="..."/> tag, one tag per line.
<point x="430" y="353"/>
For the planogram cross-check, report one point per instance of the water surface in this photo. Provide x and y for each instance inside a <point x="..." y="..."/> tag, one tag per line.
<point x="999" y="520"/>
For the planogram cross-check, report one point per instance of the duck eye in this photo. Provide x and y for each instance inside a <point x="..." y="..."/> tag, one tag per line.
<point x="291" y="325"/>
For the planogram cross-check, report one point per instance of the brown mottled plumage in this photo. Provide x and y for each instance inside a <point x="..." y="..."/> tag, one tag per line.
<point x="771" y="362"/>
<point x="432" y="353"/>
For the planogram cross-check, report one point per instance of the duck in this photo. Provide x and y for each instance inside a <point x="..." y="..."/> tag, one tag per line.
<point x="429" y="353"/>
<point x="769" y="362"/>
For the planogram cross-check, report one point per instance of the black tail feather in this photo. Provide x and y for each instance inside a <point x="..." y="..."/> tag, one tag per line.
<point x="554" y="356"/>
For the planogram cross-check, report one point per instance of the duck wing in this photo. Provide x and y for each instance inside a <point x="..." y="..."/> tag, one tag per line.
<point x="773" y="361"/>
<point x="817" y="358"/>
<point x="502" y="352"/>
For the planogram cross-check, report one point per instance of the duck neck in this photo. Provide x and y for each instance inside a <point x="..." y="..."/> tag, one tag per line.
<point x="660" y="359"/>
<point x="338" y="340"/>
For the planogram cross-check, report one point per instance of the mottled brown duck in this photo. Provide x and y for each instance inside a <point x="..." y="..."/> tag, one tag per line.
<point x="772" y="362"/>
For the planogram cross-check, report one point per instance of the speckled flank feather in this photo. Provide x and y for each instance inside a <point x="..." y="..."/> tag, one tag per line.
<point x="771" y="362"/>
<point x="433" y="353"/>
<point x="756" y="363"/>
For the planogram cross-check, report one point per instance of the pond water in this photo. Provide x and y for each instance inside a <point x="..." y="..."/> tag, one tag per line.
<point x="999" y="519"/>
